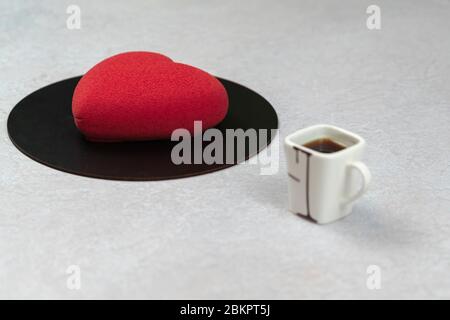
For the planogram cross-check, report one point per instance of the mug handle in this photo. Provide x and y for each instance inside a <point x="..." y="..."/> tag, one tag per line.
<point x="366" y="177"/>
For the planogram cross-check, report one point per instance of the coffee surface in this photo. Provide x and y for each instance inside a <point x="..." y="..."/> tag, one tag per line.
<point x="324" y="145"/>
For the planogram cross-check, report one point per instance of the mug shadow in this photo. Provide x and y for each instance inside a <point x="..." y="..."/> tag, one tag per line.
<point x="375" y="226"/>
<point x="367" y="222"/>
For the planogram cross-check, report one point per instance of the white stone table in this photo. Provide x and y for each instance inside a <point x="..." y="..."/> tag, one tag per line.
<point x="228" y="234"/>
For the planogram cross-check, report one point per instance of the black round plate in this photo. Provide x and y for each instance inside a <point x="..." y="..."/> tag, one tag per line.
<point x="42" y="127"/>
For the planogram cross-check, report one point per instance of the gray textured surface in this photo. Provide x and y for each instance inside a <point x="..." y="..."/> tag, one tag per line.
<point x="228" y="234"/>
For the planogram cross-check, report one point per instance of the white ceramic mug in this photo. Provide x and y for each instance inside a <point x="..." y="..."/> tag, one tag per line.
<point x="322" y="186"/>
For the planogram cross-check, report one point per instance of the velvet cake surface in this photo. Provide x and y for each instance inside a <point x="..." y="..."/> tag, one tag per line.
<point x="145" y="96"/>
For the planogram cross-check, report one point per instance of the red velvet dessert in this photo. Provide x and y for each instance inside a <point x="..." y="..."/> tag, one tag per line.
<point x="145" y="96"/>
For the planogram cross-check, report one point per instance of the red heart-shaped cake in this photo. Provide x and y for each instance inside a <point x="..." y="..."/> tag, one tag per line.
<point x="145" y="96"/>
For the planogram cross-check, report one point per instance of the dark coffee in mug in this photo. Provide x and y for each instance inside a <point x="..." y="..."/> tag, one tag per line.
<point x="324" y="145"/>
